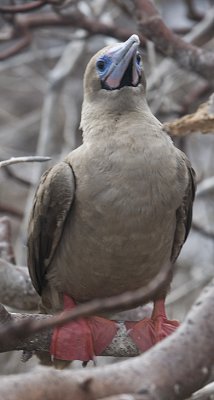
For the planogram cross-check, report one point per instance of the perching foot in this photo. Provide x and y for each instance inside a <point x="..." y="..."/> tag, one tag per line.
<point x="148" y="332"/>
<point x="82" y="339"/>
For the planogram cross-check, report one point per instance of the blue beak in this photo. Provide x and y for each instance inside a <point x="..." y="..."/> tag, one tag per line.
<point x="124" y="67"/>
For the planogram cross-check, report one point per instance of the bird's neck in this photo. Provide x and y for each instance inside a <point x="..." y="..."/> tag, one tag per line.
<point x="98" y="121"/>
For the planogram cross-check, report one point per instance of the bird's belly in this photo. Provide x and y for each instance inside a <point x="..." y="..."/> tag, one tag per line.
<point x="112" y="252"/>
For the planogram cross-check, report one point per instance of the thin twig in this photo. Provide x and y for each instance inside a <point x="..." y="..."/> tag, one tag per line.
<point x="17" y="160"/>
<point x="26" y="23"/>
<point x="207" y="393"/>
<point x="23" y="8"/>
<point x="7" y="209"/>
<point x="12" y="174"/>
<point x="76" y="20"/>
<point x="21" y="44"/>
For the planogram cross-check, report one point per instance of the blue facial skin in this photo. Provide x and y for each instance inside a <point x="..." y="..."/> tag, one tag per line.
<point x="105" y="65"/>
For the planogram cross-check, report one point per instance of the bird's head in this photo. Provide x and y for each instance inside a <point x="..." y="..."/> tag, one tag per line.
<point x="115" y="73"/>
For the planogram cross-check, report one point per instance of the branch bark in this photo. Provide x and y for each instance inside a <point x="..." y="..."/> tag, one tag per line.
<point x="188" y="56"/>
<point x="173" y="369"/>
<point x="17" y="160"/>
<point x="110" y="304"/>
<point x="75" y="20"/>
<point x="16" y="289"/>
<point x="27" y="23"/>
<point x="121" y="346"/>
<point x="207" y="393"/>
<point x="22" y="8"/>
<point x="200" y="121"/>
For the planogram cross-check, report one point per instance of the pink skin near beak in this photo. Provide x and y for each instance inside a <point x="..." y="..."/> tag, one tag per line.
<point x="121" y="56"/>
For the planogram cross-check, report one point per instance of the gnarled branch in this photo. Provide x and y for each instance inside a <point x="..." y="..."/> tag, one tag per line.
<point x="188" y="56"/>
<point x="121" y="346"/>
<point x="200" y="121"/>
<point x="173" y="369"/>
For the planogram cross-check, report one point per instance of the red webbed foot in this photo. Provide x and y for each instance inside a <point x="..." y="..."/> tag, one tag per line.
<point x="82" y="339"/>
<point x="149" y="331"/>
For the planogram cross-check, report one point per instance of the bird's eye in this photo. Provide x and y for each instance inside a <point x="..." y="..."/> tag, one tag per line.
<point x="101" y="65"/>
<point x="138" y="58"/>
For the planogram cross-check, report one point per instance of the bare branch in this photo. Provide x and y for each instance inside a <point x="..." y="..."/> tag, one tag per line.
<point x="6" y="249"/>
<point x="207" y="393"/>
<point x="192" y="11"/>
<point x="173" y="369"/>
<point x="12" y="174"/>
<point x="23" y="8"/>
<point x="7" y="209"/>
<point x="16" y="289"/>
<point x="200" y="121"/>
<point x="121" y="346"/>
<point x="127" y="299"/>
<point x="77" y="20"/>
<point x="199" y="35"/>
<point x="17" y="160"/>
<point x="26" y="23"/>
<point x="21" y="44"/>
<point x="187" y="55"/>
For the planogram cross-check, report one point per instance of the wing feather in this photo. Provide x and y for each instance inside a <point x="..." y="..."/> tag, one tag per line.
<point x="52" y="202"/>
<point x="184" y="212"/>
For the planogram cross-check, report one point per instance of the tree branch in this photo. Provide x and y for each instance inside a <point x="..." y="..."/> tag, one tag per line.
<point x="27" y="23"/>
<point x="17" y="160"/>
<point x="121" y="346"/>
<point x="128" y="299"/>
<point x="21" y="44"/>
<point x="77" y="20"/>
<point x="6" y="248"/>
<point x="16" y="289"/>
<point x="200" y="121"/>
<point x="23" y="8"/>
<point x="188" y="56"/>
<point x="173" y="369"/>
<point x="207" y="393"/>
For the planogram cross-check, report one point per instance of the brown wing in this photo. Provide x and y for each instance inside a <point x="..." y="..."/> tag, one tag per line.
<point x="184" y="212"/>
<point x="52" y="202"/>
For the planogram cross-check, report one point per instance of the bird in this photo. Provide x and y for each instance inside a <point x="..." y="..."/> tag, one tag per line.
<point x="110" y="216"/>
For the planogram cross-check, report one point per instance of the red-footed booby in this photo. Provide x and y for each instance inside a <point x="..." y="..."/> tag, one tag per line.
<point x="114" y="212"/>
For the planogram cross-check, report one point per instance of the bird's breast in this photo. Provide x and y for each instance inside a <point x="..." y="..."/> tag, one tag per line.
<point x="121" y="227"/>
